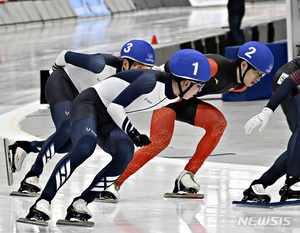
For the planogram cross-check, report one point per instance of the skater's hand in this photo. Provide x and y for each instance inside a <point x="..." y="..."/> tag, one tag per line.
<point x="60" y="60"/>
<point x="259" y="121"/>
<point x="139" y="139"/>
<point x="54" y="67"/>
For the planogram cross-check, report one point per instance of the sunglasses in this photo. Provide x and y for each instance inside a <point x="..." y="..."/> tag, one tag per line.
<point x="199" y="84"/>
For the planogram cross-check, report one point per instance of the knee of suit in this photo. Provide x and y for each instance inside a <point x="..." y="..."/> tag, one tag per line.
<point x="84" y="147"/>
<point x="218" y="122"/>
<point x="123" y="153"/>
<point x="65" y="148"/>
<point x="65" y="129"/>
<point x="121" y="156"/>
<point x="159" y="143"/>
<point x="211" y="119"/>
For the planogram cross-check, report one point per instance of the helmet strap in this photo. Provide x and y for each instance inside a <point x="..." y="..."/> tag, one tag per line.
<point x="182" y="93"/>
<point x="130" y="63"/>
<point x="242" y="77"/>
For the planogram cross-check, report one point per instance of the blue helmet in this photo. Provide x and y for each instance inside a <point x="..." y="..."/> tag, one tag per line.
<point x="190" y="64"/>
<point x="258" y="55"/>
<point x="140" y="51"/>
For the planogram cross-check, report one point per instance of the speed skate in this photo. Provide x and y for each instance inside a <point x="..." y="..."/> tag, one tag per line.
<point x="270" y="205"/>
<point x="33" y="221"/>
<point x="75" y="223"/>
<point x="8" y="162"/>
<point x="27" y="194"/>
<point x="184" y="195"/>
<point x="106" y="200"/>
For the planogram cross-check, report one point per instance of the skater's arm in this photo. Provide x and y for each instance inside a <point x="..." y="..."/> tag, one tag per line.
<point x="282" y="91"/>
<point x="261" y="120"/>
<point x="91" y="62"/>
<point x="144" y="84"/>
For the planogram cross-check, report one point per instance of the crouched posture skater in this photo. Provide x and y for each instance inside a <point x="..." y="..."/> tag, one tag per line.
<point x="73" y="73"/>
<point x="254" y="61"/>
<point x="99" y="116"/>
<point x="286" y="88"/>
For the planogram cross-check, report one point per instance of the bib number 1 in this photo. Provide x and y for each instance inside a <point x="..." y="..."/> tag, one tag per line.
<point x="195" y="68"/>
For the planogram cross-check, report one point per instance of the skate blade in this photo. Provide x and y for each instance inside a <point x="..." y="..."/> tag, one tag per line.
<point x="266" y="205"/>
<point x="32" y="221"/>
<point x="185" y="195"/>
<point x="10" y="179"/>
<point x="16" y="193"/>
<point x="75" y="223"/>
<point x="106" y="200"/>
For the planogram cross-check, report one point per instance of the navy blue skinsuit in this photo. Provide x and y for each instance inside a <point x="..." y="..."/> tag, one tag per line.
<point x="286" y="88"/>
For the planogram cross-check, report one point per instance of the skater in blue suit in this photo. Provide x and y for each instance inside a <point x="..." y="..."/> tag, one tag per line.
<point x="286" y="88"/>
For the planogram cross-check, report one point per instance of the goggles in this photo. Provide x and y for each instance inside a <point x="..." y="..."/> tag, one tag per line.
<point x="259" y="73"/>
<point x="200" y="85"/>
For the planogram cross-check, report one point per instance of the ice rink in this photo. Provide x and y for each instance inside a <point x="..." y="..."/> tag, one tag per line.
<point x="234" y="164"/>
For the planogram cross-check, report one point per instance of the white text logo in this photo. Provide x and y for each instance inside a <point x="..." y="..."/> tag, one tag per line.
<point x="264" y="221"/>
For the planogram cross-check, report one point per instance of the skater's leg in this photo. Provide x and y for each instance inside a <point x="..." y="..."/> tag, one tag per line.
<point x="58" y="139"/>
<point x="19" y="151"/>
<point x="84" y="143"/>
<point x="121" y="148"/>
<point x="291" y="188"/>
<point x="28" y="147"/>
<point x="286" y="163"/>
<point x="214" y="123"/>
<point x="256" y="191"/>
<point x="206" y="116"/>
<point x="277" y="170"/>
<point x="65" y="148"/>
<point x="161" y="132"/>
<point x="60" y="93"/>
<point x="292" y="112"/>
<point x="84" y="116"/>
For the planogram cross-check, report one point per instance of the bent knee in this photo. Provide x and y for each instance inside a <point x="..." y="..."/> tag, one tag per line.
<point x="86" y="145"/>
<point x="210" y="118"/>
<point x="124" y="151"/>
<point x="217" y="123"/>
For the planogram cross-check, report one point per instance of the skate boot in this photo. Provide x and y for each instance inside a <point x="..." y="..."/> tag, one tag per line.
<point x="111" y="193"/>
<point x="19" y="150"/>
<point x="185" y="183"/>
<point x="30" y="185"/>
<point x="78" y="211"/>
<point x="291" y="189"/>
<point x="256" y="193"/>
<point x="41" y="210"/>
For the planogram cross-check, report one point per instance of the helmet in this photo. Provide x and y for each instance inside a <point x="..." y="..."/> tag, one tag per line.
<point x="190" y="64"/>
<point x="258" y="55"/>
<point x="140" y="51"/>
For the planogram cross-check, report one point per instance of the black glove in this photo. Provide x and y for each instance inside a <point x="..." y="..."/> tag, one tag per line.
<point x="139" y="139"/>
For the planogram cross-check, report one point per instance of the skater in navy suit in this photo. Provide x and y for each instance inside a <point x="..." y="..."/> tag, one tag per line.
<point x="286" y="88"/>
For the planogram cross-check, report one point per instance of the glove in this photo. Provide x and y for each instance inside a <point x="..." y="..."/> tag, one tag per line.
<point x="139" y="139"/>
<point x="60" y="60"/>
<point x="260" y="120"/>
<point x="159" y="68"/>
<point x="54" y="67"/>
